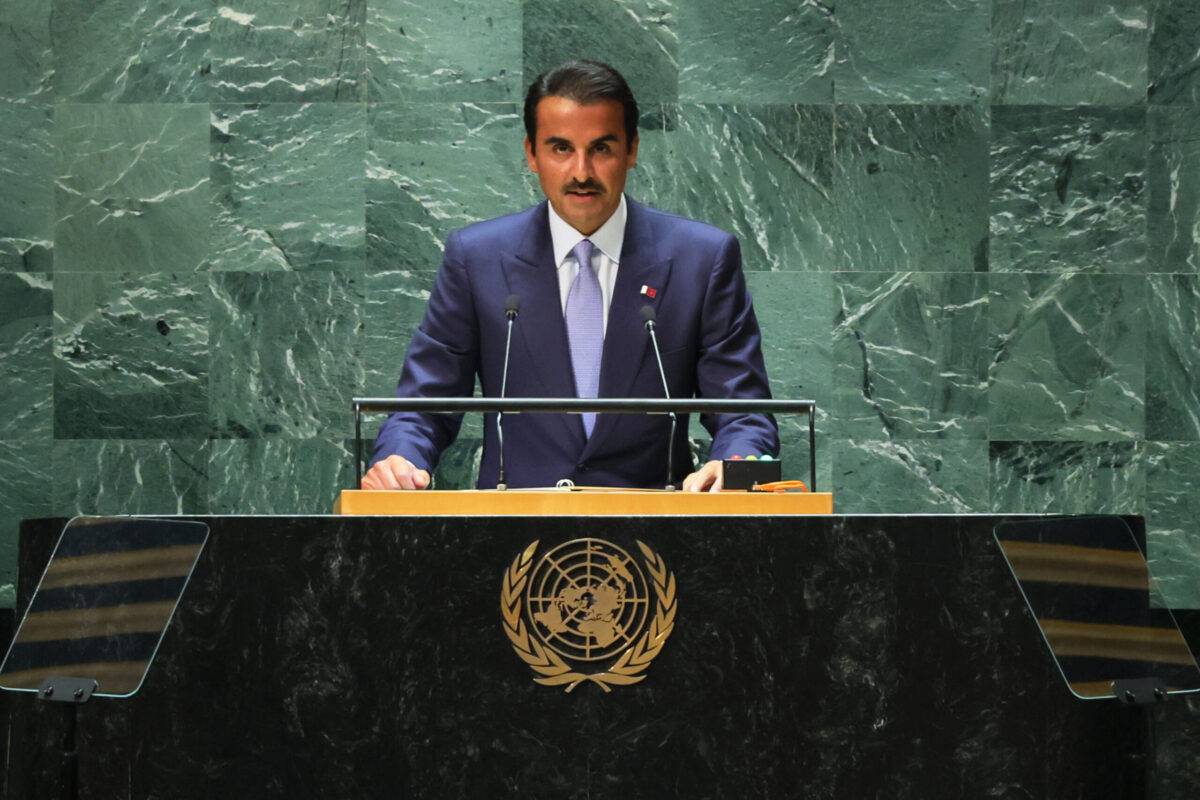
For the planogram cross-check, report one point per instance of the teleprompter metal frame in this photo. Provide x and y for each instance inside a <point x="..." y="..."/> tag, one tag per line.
<point x="576" y="405"/>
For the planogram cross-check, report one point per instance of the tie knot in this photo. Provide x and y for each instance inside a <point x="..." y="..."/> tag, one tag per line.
<point x="583" y="253"/>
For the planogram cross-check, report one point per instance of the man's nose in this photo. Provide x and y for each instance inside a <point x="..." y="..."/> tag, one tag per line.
<point x="581" y="166"/>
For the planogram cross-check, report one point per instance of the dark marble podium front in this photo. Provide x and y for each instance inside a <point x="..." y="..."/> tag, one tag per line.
<point x="821" y="657"/>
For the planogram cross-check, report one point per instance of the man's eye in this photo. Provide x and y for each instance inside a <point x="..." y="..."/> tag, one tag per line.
<point x="561" y="148"/>
<point x="601" y="148"/>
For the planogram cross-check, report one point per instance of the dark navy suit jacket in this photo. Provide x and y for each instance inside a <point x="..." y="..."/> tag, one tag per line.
<point x="710" y="341"/>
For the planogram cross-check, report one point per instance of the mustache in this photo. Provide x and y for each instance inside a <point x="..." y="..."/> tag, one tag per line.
<point x="590" y="185"/>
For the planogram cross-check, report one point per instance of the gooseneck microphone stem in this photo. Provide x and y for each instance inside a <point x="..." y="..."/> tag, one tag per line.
<point x="511" y="304"/>
<point x="648" y="316"/>
<point x="500" y="414"/>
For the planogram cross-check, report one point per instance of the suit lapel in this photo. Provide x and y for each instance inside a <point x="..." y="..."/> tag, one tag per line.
<point x="532" y="275"/>
<point x="626" y="340"/>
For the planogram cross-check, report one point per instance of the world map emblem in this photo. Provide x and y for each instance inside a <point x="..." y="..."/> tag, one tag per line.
<point x="588" y="611"/>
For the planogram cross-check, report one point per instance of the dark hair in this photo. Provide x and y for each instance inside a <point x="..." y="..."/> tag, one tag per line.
<point x="584" y="82"/>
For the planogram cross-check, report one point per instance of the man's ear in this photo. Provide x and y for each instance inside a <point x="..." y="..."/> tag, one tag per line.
<point x="530" y="159"/>
<point x="633" y="150"/>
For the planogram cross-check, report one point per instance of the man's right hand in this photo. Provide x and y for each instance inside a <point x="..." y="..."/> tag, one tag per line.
<point x="395" y="472"/>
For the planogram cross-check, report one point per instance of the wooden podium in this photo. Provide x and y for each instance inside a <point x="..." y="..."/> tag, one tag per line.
<point x="580" y="503"/>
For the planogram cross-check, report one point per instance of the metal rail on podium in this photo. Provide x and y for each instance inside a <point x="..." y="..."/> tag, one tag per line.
<point x="581" y="500"/>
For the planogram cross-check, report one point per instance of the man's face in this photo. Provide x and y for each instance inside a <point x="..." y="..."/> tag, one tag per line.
<point x="581" y="159"/>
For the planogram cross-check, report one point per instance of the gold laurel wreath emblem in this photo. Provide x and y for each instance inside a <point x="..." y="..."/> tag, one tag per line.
<point x="633" y="660"/>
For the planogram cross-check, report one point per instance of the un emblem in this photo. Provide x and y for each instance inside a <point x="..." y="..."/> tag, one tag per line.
<point x="586" y="604"/>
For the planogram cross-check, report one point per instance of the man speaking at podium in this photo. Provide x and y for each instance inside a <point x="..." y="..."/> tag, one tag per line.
<point x="579" y="269"/>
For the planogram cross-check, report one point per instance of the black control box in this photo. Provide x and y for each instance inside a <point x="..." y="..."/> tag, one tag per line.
<point x="743" y="474"/>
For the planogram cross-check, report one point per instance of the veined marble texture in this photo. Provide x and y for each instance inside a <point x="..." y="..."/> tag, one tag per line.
<point x="1174" y="58"/>
<point x="912" y="51"/>
<point x="394" y="306"/>
<point x="910" y="477"/>
<point x="131" y="187"/>
<point x="26" y="56"/>
<point x="654" y="181"/>
<point x="466" y="50"/>
<point x="1068" y="189"/>
<point x="1173" y="358"/>
<point x="264" y="51"/>
<point x="793" y="310"/>
<point x="26" y="366"/>
<point x="907" y="355"/>
<point x="1065" y="52"/>
<point x="1067" y="357"/>
<point x="432" y="168"/>
<point x="130" y="356"/>
<point x="763" y="172"/>
<point x="1067" y="477"/>
<point x="910" y="184"/>
<point x="1172" y="509"/>
<point x="144" y="476"/>
<point x="287" y="186"/>
<point x="277" y="476"/>
<point x="131" y="51"/>
<point x="25" y="478"/>
<point x="27" y="201"/>
<point x="1173" y="174"/>
<point x="640" y="35"/>
<point x="286" y="354"/>
<point x="758" y="51"/>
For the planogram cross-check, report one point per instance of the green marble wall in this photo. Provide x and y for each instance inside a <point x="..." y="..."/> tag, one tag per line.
<point x="972" y="230"/>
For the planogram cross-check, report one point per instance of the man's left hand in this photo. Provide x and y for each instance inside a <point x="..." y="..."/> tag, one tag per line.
<point x="709" y="477"/>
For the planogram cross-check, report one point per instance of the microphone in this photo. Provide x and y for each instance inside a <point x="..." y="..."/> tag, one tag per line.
<point x="650" y="320"/>
<point x="511" y="304"/>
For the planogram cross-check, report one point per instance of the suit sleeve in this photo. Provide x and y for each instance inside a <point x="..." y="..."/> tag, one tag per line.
<point x="730" y="363"/>
<point x="442" y="360"/>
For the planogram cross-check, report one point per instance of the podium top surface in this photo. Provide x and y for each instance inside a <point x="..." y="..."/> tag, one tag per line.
<point x="579" y="503"/>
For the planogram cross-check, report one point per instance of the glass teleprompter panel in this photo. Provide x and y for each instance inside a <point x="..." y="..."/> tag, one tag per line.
<point x="1086" y="582"/>
<point x="104" y="603"/>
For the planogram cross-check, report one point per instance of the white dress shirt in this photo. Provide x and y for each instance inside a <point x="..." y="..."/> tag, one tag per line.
<point x="606" y="253"/>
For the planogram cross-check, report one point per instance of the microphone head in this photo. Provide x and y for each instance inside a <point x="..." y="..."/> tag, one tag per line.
<point x="648" y="315"/>
<point x="511" y="304"/>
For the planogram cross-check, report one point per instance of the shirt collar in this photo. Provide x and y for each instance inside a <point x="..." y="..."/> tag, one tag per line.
<point x="608" y="238"/>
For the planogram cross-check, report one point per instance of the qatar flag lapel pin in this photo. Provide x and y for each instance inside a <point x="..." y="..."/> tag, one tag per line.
<point x="649" y="291"/>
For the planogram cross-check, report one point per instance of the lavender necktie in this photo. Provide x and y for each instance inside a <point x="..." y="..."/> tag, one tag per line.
<point x="585" y="328"/>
